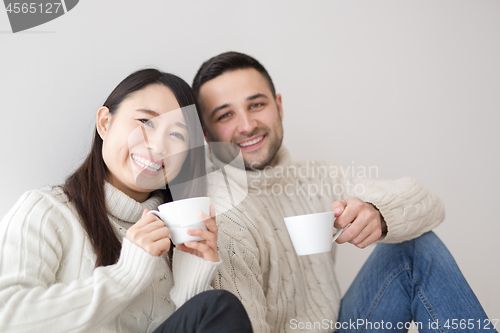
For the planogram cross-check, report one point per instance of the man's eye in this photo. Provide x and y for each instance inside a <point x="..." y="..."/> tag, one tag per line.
<point x="179" y="135"/>
<point x="225" y="115"/>
<point x="146" y="122"/>
<point x="255" y="105"/>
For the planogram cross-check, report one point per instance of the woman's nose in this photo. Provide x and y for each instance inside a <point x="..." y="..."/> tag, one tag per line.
<point x="157" y="144"/>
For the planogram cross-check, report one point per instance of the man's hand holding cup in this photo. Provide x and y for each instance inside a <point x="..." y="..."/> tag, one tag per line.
<point x="367" y="222"/>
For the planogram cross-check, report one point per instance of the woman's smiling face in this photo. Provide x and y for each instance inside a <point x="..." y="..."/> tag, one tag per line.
<point x="145" y="142"/>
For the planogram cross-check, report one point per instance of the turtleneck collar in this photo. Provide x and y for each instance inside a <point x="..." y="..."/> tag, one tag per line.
<point x="124" y="208"/>
<point x="256" y="179"/>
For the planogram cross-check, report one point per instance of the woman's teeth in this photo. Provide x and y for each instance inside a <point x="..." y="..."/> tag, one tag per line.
<point x="146" y="164"/>
<point x="249" y="143"/>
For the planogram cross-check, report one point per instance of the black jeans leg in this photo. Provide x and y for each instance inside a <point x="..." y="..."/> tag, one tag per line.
<point x="214" y="311"/>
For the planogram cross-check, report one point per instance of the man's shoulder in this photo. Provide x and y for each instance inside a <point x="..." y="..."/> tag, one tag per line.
<point x="313" y="170"/>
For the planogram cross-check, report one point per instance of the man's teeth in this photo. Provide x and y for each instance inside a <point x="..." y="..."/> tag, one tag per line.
<point x="146" y="164"/>
<point x="249" y="143"/>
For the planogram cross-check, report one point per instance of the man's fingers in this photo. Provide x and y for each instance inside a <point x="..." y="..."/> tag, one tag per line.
<point x="365" y="233"/>
<point x="352" y="232"/>
<point x="338" y="207"/>
<point x="373" y="237"/>
<point x="349" y="214"/>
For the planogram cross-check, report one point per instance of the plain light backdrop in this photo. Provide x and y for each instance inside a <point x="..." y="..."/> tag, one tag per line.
<point x="411" y="87"/>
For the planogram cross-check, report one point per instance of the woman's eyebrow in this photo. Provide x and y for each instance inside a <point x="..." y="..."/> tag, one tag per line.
<point x="151" y="112"/>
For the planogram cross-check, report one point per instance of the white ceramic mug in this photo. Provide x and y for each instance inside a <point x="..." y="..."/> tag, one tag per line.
<point x="181" y="215"/>
<point x="312" y="233"/>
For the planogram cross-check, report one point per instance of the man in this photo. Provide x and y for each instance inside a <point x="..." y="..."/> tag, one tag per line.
<point x="283" y="292"/>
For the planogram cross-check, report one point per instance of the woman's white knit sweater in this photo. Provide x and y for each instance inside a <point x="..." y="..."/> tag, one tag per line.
<point x="48" y="279"/>
<point x="259" y="263"/>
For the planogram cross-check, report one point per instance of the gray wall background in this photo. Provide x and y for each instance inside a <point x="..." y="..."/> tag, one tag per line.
<point x="410" y="87"/>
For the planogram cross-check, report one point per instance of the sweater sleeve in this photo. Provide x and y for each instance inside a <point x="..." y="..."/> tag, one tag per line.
<point x="241" y="272"/>
<point x="192" y="275"/>
<point x="32" y="251"/>
<point x="409" y="209"/>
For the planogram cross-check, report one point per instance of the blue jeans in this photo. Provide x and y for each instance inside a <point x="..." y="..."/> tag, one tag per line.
<point x="415" y="280"/>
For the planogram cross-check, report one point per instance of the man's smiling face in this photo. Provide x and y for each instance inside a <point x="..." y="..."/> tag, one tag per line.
<point x="238" y="107"/>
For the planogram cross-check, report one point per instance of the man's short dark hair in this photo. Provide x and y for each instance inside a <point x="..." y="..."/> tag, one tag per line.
<point x="225" y="62"/>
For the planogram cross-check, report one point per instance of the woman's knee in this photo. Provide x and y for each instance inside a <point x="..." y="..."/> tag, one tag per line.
<point x="221" y="298"/>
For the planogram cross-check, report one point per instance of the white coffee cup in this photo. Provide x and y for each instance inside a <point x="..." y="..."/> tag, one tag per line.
<point x="312" y="233"/>
<point x="181" y="215"/>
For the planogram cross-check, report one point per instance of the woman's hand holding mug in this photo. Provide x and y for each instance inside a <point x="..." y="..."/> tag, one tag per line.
<point x="150" y="234"/>
<point x="207" y="248"/>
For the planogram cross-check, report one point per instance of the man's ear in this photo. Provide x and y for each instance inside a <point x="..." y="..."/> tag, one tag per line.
<point x="280" y="105"/>
<point x="202" y="122"/>
<point x="103" y="120"/>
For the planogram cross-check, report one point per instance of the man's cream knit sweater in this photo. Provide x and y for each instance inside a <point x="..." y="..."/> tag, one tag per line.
<point x="48" y="282"/>
<point x="259" y="262"/>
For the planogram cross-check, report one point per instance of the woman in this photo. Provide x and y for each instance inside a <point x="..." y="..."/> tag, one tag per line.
<point x="63" y="264"/>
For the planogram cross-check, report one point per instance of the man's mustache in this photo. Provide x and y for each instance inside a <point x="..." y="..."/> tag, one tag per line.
<point x="257" y="131"/>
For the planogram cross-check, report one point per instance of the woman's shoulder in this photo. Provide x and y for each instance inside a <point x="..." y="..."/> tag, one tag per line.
<point x="48" y="205"/>
<point x="50" y="197"/>
<point x="48" y="192"/>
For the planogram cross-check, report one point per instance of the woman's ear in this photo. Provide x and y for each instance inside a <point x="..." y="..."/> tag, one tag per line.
<point x="103" y="121"/>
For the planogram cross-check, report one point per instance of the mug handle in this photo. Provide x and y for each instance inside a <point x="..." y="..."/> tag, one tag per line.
<point x="155" y="212"/>
<point x="339" y="232"/>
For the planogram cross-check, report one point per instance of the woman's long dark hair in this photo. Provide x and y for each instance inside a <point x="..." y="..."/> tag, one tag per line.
<point x="85" y="187"/>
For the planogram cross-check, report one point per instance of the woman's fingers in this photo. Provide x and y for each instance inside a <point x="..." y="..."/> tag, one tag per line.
<point x="157" y="234"/>
<point x="145" y="239"/>
<point x="206" y="251"/>
<point x="150" y="234"/>
<point x="209" y="221"/>
<point x="212" y="212"/>
<point x="205" y="234"/>
<point x="145" y="219"/>
<point x="152" y="226"/>
<point x="184" y="248"/>
<point x="160" y="247"/>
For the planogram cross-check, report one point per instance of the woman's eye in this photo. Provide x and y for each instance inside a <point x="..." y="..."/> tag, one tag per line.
<point x="179" y="135"/>
<point x="146" y="122"/>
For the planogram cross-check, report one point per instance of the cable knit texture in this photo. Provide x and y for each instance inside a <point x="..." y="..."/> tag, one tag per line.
<point x="48" y="279"/>
<point x="259" y="262"/>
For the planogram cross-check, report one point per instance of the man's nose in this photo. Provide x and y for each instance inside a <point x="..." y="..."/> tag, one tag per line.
<point x="246" y="123"/>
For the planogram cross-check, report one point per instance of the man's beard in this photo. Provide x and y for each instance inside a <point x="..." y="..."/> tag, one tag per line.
<point x="265" y="157"/>
<point x="274" y="136"/>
